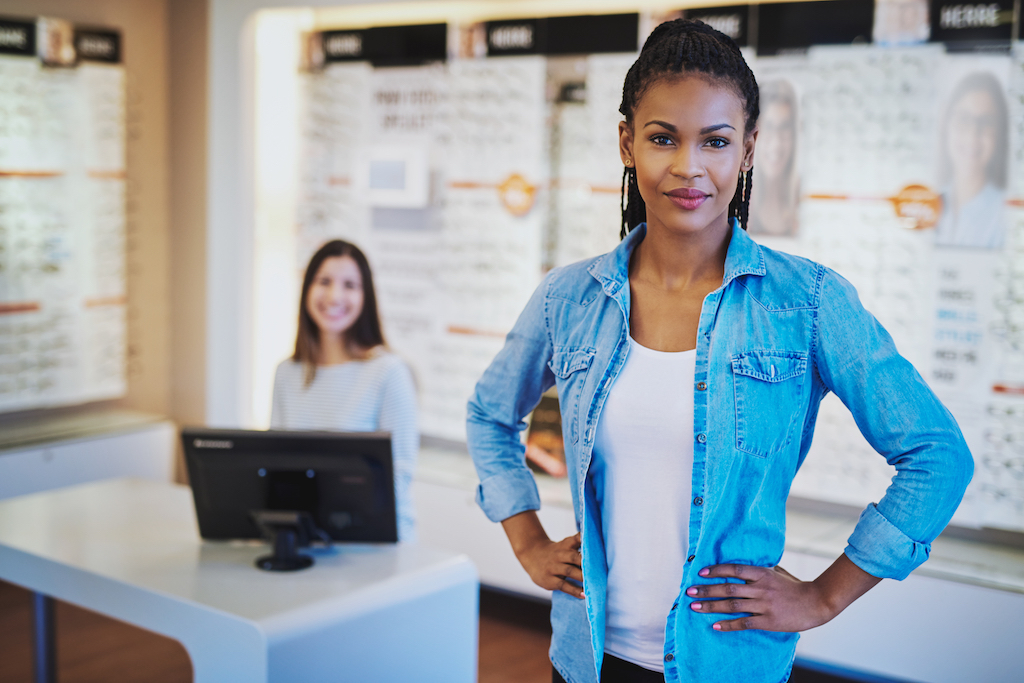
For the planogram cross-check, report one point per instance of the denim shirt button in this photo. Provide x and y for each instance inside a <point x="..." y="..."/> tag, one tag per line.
<point x="669" y="657"/>
<point x="702" y="438"/>
<point x="701" y="386"/>
<point x="698" y="501"/>
<point x="590" y="434"/>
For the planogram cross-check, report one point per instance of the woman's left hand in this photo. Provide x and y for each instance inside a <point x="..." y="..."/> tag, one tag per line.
<point x="775" y="599"/>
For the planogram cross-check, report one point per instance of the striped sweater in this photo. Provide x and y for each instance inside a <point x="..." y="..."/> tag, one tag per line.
<point x="359" y="396"/>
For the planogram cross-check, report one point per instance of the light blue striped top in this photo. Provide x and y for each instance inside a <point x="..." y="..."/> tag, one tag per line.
<point x="359" y="396"/>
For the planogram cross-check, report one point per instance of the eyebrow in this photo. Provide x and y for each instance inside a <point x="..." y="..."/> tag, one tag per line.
<point x="703" y="131"/>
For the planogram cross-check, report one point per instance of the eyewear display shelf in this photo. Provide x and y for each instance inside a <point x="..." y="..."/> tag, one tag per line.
<point x="130" y="549"/>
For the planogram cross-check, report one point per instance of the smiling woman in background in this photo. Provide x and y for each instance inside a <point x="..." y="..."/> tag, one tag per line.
<point x="341" y="376"/>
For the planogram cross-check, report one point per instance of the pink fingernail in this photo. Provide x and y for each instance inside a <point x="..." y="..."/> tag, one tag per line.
<point x="703" y="572"/>
<point x="691" y="591"/>
<point x="695" y="605"/>
<point x="717" y="627"/>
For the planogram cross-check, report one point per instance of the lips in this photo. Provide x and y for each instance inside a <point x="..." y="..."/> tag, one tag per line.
<point x="687" y="198"/>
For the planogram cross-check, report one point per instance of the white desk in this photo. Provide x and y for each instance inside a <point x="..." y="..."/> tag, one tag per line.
<point x="130" y="549"/>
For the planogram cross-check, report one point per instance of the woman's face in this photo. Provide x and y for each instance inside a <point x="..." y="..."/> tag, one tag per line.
<point x="972" y="136"/>
<point x="687" y="143"/>
<point x="335" y="299"/>
<point x="776" y="140"/>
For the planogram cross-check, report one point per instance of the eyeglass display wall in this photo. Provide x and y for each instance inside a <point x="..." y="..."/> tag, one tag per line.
<point x="62" y="215"/>
<point x="899" y="163"/>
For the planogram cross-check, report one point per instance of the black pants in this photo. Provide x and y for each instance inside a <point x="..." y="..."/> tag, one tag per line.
<point x="615" y="670"/>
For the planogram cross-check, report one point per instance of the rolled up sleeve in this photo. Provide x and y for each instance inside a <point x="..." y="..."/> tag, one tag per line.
<point x="509" y="389"/>
<point x="904" y="421"/>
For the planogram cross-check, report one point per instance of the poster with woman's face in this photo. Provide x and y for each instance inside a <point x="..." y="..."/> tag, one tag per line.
<point x="775" y="195"/>
<point x="973" y="152"/>
<point x="901" y="22"/>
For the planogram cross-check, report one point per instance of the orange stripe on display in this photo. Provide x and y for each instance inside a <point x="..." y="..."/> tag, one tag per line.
<point x="106" y="301"/>
<point x="840" y="197"/>
<point x="339" y="180"/>
<point x="19" y="307"/>
<point x="1005" y="389"/>
<point x="10" y="173"/>
<point x="470" y="185"/>
<point x="455" y="329"/>
<point x="108" y="175"/>
<point x="846" y="197"/>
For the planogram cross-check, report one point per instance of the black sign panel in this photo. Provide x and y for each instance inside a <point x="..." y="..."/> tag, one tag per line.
<point x="343" y="46"/>
<point x="388" y="45"/>
<point x="593" y="34"/>
<point x="732" y="21"/>
<point x="17" y="37"/>
<point x="406" y="45"/>
<point x="516" y="37"/>
<point x="794" y="26"/>
<point x="972" y="25"/>
<point x="588" y="34"/>
<point x="98" y="45"/>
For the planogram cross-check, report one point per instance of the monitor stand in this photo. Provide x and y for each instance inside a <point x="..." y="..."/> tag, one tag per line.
<point x="287" y="531"/>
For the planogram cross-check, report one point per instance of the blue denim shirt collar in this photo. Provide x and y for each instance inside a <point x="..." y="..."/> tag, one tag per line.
<point x="744" y="257"/>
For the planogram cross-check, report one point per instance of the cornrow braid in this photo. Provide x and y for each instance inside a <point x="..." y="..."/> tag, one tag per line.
<point x="686" y="46"/>
<point x="634" y="210"/>
<point x="739" y="207"/>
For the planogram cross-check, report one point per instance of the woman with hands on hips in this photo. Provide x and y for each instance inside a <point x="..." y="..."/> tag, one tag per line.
<point x="341" y="376"/>
<point x="689" y="363"/>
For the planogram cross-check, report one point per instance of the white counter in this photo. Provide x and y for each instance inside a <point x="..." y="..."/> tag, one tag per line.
<point x="130" y="549"/>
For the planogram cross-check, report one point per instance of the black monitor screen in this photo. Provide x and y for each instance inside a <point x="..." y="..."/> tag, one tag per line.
<point x="345" y="481"/>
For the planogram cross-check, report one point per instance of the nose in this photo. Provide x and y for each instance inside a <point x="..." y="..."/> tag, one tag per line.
<point x="686" y="163"/>
<point x="336" y="293"/>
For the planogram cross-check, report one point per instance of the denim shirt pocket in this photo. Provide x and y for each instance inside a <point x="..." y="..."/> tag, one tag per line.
<point x="570" y="365"/>
<point x="769" y="385"/>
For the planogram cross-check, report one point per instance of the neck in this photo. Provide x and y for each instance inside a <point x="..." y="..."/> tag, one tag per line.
<point x="677" y="262"/>
<point x="337" y="349"/>
<point x="966" y="188"/>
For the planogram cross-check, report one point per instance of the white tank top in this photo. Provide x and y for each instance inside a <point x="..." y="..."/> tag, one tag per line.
<point x="642" y="470"/>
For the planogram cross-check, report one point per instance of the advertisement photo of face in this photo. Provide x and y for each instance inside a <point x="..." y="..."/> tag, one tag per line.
<point x="775" y="194"/>
<point x="901" y="22"/>
<point x="974" y="152"/>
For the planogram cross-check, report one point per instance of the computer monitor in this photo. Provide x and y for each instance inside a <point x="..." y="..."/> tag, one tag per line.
<point x="343" y="480"/>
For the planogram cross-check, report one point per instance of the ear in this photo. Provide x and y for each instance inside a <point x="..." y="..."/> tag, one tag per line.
<point x="626" y="144"/>
<point x="748" y="150"/>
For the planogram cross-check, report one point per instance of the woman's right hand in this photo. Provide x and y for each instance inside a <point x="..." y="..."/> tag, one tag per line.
<point x="550" y="564"/>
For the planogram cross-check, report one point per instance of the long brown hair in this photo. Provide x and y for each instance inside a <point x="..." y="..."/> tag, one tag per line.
<point x="364" y="333"/>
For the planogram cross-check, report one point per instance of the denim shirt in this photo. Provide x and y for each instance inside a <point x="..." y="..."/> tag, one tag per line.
<point x="772" y="341"/>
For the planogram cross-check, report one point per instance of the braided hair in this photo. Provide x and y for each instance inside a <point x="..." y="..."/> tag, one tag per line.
<point x="691" y="47"/>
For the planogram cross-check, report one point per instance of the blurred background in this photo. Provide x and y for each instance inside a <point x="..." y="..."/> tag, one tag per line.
<point x="167" y="167"/>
